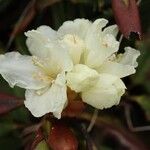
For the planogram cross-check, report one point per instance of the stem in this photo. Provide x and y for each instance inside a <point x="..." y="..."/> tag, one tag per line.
<point x="93" y="120"/>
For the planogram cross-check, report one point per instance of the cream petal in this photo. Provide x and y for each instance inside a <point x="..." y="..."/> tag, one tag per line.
<point x="59" y="57"/>
<point x="117" y="69"/>
<point x="39" y="41"/>
<point x="99" y="44"/>
<point x="113" y="30"/>
<point x="19" y="70"/>
<point x="81" y="78"/>
<point x="106" y="93"/>
<point x="75" y="47"/>
<point x="122" y="65"/>
<point x="53" y="100"/>
<point x="48" y="32"/>
<point x="129" y="57"/>
<point x="57" y="61"/>
<point x="77" y="27"/>
<point x="55" y="57"/>
<point x="97" y="26"/>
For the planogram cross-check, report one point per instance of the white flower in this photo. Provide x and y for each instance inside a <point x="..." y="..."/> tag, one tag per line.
<point x="81" y="55"/>
<point x="43" y="74"/>
<point x="97" y="66"/>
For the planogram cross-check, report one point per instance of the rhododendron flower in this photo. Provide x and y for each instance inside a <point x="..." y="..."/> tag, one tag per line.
<point x="43" y="74"/>
<point x="81" y="55"/>
<point x="98" y="70"/>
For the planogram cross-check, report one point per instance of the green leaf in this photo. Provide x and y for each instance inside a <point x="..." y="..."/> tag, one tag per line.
<point x="10" y="143"/>
<point x="144" y="102"/>
<point x="20" y="41"/>
<point x="5" y="128"/>
<point x="142" y="75"/>
<point x="42" y="146"/>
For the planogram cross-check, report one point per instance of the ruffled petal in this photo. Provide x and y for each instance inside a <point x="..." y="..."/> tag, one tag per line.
<point x="117" y="69"/>
<point x="99" y="46"/>
<point x="39" y="41"/>
<point x="53" y="100"/>
<point x="113" y="30"/>
<point x="75" y="47"/>
<point x="77" y="27"/>
<point x="129" y="57"/>
<point x="106" y="93"/>
<point x="19" y="70"/>
<point x="48" y="32"/>
<point x="81" y="78"/>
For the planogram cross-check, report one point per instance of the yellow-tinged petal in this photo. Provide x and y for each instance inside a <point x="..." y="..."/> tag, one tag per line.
<point x="117" y="69"/>
<point x="19" y="70"/>
<point x="52" y="100"/>
<point x="122" y="65"/>
<point x="99" y="44"/>
<point x="78" y="27"/>
<point x="37" y="40"/>
<point x="74" y="45"/>
<point x="113" y="29"/>
<point x="81" y="78"/>
<point x="106" y="92"/>
<point x="129" y="57"/>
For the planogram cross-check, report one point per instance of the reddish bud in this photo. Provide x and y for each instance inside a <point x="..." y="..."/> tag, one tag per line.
<point x="75" y="105"/>
<point x="127" y="16"/>
<point x="74" y="108"/>
<point x="62" y="138"/>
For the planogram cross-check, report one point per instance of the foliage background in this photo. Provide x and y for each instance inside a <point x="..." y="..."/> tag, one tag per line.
<point x="122" y="127"/>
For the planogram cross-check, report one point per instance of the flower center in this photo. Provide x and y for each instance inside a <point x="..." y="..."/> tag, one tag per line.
<point x="73" y="40"/>
<point x="41" y="76"/>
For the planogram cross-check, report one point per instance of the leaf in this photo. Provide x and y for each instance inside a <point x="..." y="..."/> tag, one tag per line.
<point x="20" y="42"/>
<point x="10" y="142"/>
<point x="142" y="76"/>
<point x="127" y="17"/>
<point x="5" y="128"/>
<point x="62" y="138"/>
<point x="8" y="103"/>
<point x="42" y="146"/>
<point x="144" y="102"/>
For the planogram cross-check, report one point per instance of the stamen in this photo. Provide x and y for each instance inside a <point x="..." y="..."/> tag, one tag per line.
<point x="37" y="62"/>
<point x="105" y="45"/>
<point x="41" y="76"/>
<point x="40" y="64"/>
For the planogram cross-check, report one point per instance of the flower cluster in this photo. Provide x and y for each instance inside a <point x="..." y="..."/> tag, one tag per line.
<point x="81" y="55"/>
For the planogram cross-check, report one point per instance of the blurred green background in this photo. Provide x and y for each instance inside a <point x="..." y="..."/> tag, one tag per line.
<point x="132" y="116"/>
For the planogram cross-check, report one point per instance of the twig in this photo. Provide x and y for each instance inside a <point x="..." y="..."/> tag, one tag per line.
<point x="89" y="141"/>
<point x="24" y="13"/>
<point x="130" y="124"/>
<point x="125" y="138"/>
<point x="30" y="129"/>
